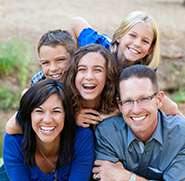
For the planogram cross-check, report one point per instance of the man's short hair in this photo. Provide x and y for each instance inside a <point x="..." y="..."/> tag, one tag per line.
<point x="139" y="71"/>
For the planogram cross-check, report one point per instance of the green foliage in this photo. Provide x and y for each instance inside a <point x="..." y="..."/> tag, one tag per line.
<point x="8" y="98"/>
<point x="15" y="56"/>
<point x="179" y="96"/>
<point x="1" y="143"/>
<point x="15" y="68"/>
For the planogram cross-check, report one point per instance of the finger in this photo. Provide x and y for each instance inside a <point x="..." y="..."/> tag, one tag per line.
<point x="96" y="176"/>
<point x="91" y="111"/>
<point x="96" y="170"/>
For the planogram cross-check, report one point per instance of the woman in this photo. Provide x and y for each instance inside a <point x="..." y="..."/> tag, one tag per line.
<point x="50" y="147"/>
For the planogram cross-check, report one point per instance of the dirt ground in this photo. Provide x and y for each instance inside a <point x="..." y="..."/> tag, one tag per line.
<point x="29" y="19"/>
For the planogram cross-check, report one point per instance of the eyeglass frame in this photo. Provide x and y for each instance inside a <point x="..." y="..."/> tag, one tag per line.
<point x="131" y="102"/>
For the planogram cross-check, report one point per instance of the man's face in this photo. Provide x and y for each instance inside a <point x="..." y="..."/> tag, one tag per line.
<point x="140" y="115"/>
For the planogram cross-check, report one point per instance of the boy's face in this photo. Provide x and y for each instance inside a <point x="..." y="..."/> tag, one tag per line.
<point x="54" y="61"/>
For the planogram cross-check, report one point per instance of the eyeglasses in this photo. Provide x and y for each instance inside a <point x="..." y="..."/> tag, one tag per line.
<point x="141" y="101"/>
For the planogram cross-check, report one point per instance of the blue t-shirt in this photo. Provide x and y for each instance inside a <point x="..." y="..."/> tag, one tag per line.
<point x="79" y="169"/>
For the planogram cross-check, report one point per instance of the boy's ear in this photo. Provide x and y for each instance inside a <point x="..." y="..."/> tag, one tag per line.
<point x="160" y="96"/>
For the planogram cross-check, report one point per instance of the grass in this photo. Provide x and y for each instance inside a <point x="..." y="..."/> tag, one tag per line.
<point x="179" y="96"/>
<point x="15" y="61"/>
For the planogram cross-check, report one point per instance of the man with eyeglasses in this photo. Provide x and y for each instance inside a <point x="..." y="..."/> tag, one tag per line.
<point x="143" y="143"/>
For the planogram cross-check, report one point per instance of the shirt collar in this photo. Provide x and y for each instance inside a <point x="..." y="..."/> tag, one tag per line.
<point x="157" y="135"/>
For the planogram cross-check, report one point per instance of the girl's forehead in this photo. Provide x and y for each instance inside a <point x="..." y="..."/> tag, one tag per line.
<point x="92" y="58"/>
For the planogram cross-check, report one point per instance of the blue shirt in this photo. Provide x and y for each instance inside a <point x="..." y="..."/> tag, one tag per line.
<point x="89" y="35"/>
<point x="162" y="157"/>
<point x="37" y="77"/>
<point x="79" y="169"/>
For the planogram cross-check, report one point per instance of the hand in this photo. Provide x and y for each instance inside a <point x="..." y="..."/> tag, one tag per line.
<point x="86" y="117"/>
<point x="169" y="106"/>
<point x="108" y="171"/>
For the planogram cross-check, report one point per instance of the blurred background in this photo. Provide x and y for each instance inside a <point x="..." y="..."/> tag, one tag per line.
<point x="22" y="22"/>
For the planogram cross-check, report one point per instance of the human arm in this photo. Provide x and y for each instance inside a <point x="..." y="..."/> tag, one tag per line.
<point x="85" y="34"/>
<point x="82" y="164"/>
<point x="169" y="106"/>
<point x="13" y="159"/>
<point x="77" y="25"/>
<point x="108" y="171"/>
<point x="12" y="127"/>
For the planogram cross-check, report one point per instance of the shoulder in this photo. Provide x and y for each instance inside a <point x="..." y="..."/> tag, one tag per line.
<point x="173" y="124"/>
<point x="37" y="77"/>
<point x="83" y="135"/>
<point x="83" y="131"/>
<point x="111" y="124"/>
<point x="17" y="138"/>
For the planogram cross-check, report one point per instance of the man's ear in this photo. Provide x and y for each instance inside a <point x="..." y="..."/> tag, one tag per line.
<point x="160" y="96"/>
<point x="119" y="103"/>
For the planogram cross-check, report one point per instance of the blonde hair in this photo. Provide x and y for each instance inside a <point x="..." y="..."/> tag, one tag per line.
<point x="153" y="58"/>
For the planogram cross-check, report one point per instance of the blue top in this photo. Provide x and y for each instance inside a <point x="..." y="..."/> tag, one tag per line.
<point x="79" y="169"/>
<point x="89" y="35"/>
<point x="162" y="157"/>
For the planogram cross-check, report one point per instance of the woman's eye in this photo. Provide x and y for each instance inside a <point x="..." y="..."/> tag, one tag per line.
<point x="38" y="110"/>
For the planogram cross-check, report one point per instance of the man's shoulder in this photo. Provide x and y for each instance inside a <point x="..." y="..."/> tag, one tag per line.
<point x="174" y="123"/>
<point x="114" y="122"/>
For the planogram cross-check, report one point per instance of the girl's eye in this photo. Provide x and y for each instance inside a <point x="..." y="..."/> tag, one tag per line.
<point x="81" y="69"/>
<point x="132" y="35"/>
<point x="146" y="41"/>
<point x="98" y="70"/>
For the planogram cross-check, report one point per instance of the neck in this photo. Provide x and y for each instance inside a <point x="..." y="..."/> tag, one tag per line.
<point x="48" y="148"/>
<point x="92" y="104"/>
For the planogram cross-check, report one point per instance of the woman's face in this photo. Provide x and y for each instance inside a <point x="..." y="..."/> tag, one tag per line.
<point x="48" y="119"/>
<point x="54" y="61"/>
<point x="136" y="43"/>
<point x="91" y="76"/>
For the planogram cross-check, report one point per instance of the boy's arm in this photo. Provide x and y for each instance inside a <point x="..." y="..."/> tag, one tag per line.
<point x="12" y="127"/>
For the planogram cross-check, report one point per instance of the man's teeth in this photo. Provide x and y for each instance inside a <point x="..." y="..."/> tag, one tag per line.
<point x="138" y="118"/>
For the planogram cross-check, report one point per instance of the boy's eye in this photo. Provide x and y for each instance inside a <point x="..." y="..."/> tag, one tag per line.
<point x="61" y="59"/>
<point x="44" y="63"/>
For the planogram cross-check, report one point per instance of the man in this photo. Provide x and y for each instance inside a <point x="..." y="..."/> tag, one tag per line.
<point x="143" y="144"/>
